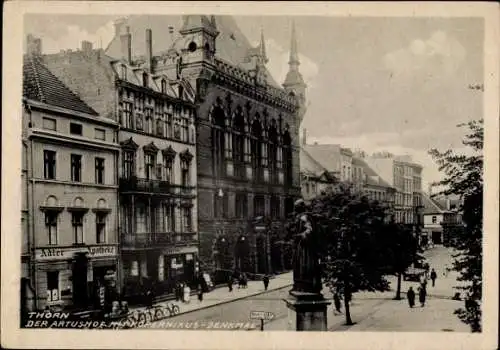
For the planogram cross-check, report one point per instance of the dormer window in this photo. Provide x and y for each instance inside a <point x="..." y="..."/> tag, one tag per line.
<point x="145" y="79"/>
<point x="124" y="72"/>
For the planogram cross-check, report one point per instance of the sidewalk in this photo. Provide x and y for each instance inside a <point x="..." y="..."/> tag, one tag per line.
<point x="222" y="295"/>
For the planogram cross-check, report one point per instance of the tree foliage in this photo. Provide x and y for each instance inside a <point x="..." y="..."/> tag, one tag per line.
<point x="464" y="178"/>
<point x="352" y="227"/>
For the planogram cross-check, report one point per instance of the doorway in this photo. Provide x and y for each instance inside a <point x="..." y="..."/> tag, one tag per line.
<point x="436" y="237"/>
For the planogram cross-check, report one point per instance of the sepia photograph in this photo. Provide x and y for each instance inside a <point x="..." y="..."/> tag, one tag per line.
<point x="218" y="171"/>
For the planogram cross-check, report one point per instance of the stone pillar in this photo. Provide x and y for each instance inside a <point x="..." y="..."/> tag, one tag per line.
<point x="307" y="311"/>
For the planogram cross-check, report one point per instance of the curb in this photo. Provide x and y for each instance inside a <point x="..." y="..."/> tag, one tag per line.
<point x="232" y="300"/>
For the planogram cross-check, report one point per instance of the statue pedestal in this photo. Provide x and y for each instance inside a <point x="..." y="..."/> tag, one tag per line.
<point x="307" y="311"/>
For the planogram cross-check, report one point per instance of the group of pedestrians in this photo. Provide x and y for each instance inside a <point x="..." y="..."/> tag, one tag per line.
<point x="243" y="281"/>
<point x="422" y="290"/>
<point x="183" y="292"/>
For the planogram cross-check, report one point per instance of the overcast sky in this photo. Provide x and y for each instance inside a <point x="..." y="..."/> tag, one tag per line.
<point x="396" y="84"/>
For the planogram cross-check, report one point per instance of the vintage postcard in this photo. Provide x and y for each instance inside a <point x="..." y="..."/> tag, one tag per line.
<point x="250" y="175"/>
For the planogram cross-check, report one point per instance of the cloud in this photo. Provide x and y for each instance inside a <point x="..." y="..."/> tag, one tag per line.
<point x="278" y="63"/>
<point x="74" y="35"/>
<point x="438" y="56"/>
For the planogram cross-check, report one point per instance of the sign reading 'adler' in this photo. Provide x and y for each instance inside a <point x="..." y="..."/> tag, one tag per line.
<point x="97" y="251"/>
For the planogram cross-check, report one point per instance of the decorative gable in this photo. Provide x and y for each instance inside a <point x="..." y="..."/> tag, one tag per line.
<point x="151" y="148"/>
<point x="169" y="153"/>
<point x="129" y="144"/>
<point x="186" y="156"/>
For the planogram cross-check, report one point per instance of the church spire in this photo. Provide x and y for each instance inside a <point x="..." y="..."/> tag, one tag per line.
<point x="262" y="46"/>
<point x="294" y="51"/>
<point x="293" y="78"/>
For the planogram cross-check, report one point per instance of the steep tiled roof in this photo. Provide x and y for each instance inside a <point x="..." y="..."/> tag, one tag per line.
<point x="372" y="177"/>
<point x="41" y="85"/>
<point x="231" y="44"/>
<point x="309" y="165"/>
<point x="325" y="155"/>
<point x="431" y="206"/>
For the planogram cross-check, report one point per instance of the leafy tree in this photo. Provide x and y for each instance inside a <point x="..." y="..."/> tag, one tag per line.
<point x="402" y="251"/>
<point x="351" y="226"/>
<point x="464" y="177"/>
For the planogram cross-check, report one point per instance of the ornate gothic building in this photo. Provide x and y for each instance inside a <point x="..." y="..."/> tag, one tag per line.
<point x="247" y="148"/>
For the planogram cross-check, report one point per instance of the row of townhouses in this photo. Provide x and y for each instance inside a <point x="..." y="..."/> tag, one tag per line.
<point x="151" y="161"/>
<point x="394" y="180"/>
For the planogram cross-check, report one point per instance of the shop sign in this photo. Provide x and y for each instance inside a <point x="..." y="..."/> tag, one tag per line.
<point x="97" y="251"/>
<point x="180" y="250"/>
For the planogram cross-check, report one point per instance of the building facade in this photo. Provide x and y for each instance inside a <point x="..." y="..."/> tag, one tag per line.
<point x="70" y="154"/>
<point x="441" y="220"/>
<point x="157" y="164"/>
<point x="314" y="178"/>
<point x="404" y="175"/>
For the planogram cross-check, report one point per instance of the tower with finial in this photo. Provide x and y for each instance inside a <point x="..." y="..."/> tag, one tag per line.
<point x="294" y="82"/>
<point x="199" y="33"/>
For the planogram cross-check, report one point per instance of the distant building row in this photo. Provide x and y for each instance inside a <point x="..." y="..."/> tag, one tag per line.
<point x="395" y="180"/>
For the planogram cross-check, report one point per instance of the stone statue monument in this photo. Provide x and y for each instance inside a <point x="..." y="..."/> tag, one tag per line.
<point x="306" y="263"/>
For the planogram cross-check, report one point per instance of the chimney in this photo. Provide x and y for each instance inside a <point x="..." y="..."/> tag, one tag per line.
<point x="126" y="41"/>
<point x="34" y="46"/>
<point x="86" y="46"/>
<point x="304" y="137"/>
<point x="118" y="26"/>
<point x="149" y="50"/>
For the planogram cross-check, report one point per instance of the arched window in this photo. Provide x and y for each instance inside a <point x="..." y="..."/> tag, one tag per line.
<point x="239" y="144"/>
<point x="256" y="150"/>
<point x="218" y="144"/>
<point x="273" y="152"/>
<point x="287" y="158"/>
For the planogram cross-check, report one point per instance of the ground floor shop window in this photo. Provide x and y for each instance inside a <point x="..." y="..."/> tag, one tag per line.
<point x="52" y="286"/>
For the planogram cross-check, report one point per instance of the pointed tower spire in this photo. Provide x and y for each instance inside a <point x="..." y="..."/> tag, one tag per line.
<point x="294" y="51"/>
<point x="262" y="46"/>
<point x="293" y="78"/>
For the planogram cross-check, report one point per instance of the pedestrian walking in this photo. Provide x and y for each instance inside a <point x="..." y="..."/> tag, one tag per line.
<point x="177" y="289"/>
<point x="411" y="297"/>
<point x="422" y="293"/>
<point x="200" y="295"/>
<point x="433" y="277"/>
<point x="336" y="302"/>
<point x="187" y="293"/>
<point x="230" y="283"/>
<point x="266" y="281"/>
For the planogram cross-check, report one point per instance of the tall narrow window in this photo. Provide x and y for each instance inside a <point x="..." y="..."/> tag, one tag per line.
<point x="169" y="217"/>
<point x="167" y="169"/>
<point x="177" y="128"/>
<point x="185" y="174"/>
<point x="239" y="145"/>
<point x="287" y="159"/>
<point x="257" y="150"/>
<point x="128" y="119"/>
<point x="149" y="165"/>
<point x="241" y="205"/>
<point x="159" y="127"/>
<point x="77" y="223"/>
<point x="51" y="227"/>
<point x="168" y="125"/>
<point x="99" y="170"/>
<point x="184" y="130"/>
<point x="218" y="144"/>
<point x="128" y="164"/>
<point x="145" y="79"/>
<point x="76" y="167"/>
<point x="186" y="219"/>
<point x="259" y="205"/>
<point x="100" y="227"/>
<point x="273" y="154"/>
<point x="49" y="160"/>
<point x="148" y="120"/>
<point x="163" y="86"/>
